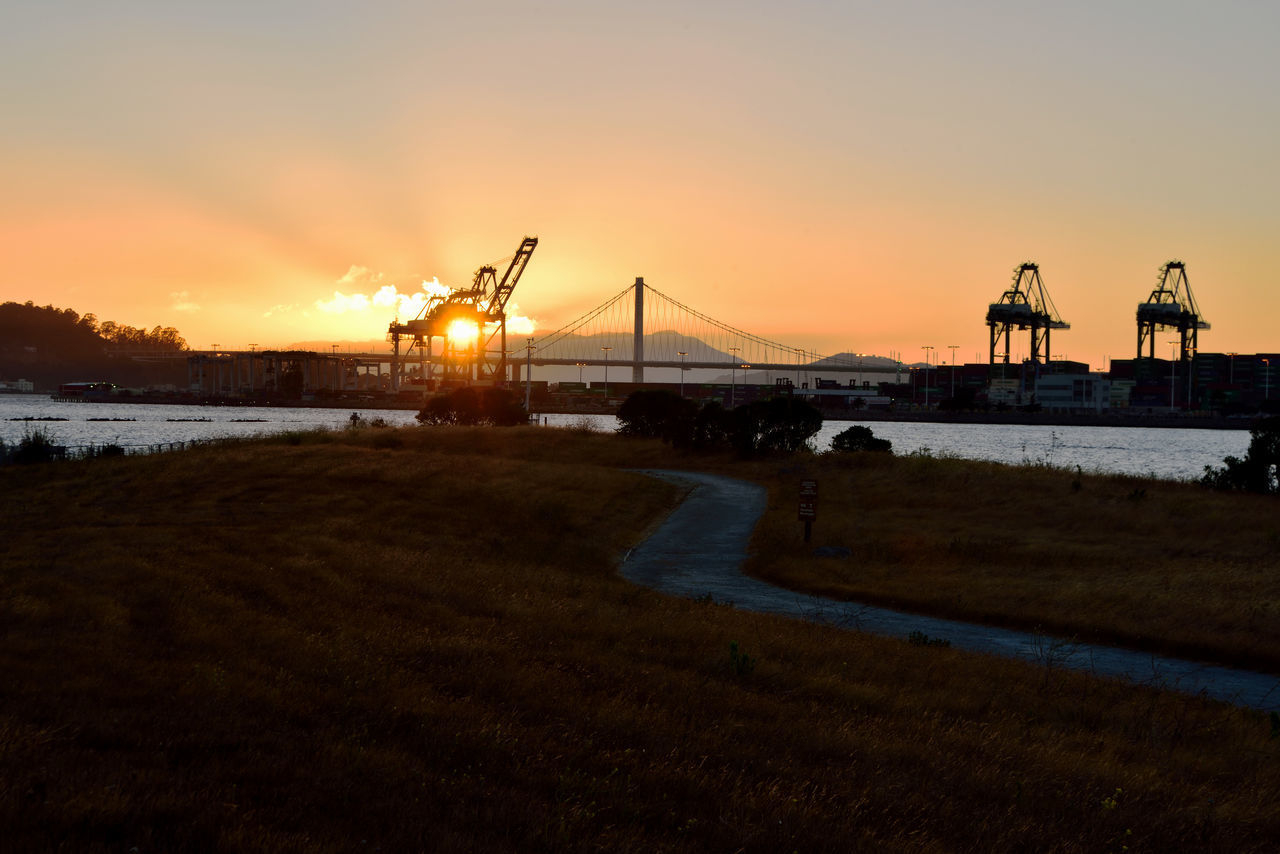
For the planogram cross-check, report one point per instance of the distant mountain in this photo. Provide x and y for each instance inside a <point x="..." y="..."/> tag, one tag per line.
<point x="588" y="348"/>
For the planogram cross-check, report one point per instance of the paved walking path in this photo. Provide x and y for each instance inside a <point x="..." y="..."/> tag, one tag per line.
<point x="700" y="548"/>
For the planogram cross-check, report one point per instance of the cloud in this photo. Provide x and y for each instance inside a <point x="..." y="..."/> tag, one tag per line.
<point x="182" y="301"/>
<point x="357" y="275"/>
<point x="278" y="309"/>
<point x="342" y="303"/>
<point x="365" y="296"/>
<point x="378" y="294"/>
<point x="517" y="323"/>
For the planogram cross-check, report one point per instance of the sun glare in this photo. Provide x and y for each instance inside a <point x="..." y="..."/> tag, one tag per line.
<point x="463" y="333"/>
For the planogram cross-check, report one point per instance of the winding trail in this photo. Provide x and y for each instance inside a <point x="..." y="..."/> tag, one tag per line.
<point x="700" y="548"/>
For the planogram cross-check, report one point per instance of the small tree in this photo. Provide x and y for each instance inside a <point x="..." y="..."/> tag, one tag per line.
<point x="859" y="438"/>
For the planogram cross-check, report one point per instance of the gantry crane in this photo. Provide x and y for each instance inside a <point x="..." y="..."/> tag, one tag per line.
<point x="483" y="305"/>
<point x="1025" y="305"/>
<point x="1171" y="305"/>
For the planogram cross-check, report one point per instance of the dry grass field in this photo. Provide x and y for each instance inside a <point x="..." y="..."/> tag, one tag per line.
<point x="1156" y="565"/>
<point x="416" y="640"/>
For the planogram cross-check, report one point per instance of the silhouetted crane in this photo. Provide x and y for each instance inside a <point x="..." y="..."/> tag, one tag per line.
<point x="1171" y="305"/>
<point x="1025" y="305"/>
<point x="483" y="305"/>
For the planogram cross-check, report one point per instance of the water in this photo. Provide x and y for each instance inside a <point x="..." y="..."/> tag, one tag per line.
<point x="1168" y="453"/>
<point x="148" y="424"/>
<point x="1171" y="453"/>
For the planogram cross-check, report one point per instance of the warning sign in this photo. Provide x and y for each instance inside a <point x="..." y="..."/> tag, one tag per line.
<point x="808" y="500"/>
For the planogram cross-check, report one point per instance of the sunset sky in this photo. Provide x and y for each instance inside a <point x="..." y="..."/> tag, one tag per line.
<point x="833" y="175"/>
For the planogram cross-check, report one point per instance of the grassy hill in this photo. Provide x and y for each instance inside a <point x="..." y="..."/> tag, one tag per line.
<point x="417" y="640"/>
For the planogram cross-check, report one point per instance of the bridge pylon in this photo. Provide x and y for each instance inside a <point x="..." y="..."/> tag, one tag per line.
<point x="637" y="347"/>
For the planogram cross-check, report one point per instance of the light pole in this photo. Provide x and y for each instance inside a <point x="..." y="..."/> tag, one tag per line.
<point x="1173" y="376"/>
<point x="682" y="354"/>
<point x="528" y="374"/>
<point x="580" y="365"/>
<point x="926" y="349"/>
<point x="1191" y="359"/>
<point x="606" y="350"/>
<point x="1266" y="373"/>
<point x="733" y="376"/>
<point x="1231" y="370"/>
<point x="953" y="348"/>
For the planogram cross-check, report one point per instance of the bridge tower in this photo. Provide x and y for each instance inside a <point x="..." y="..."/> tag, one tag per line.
<point x="637" y="346"/>
<point x="1171" y="305"/>
<point x="1025" y="305"/>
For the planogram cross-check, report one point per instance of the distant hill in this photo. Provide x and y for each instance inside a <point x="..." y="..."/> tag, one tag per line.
<point x="588" y="347"/>
<point x="50" y="346"/>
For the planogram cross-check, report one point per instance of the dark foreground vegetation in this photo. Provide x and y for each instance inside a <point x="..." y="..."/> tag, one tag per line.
<point x="416" y="639"/>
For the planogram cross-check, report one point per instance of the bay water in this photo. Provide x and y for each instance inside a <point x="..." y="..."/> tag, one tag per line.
<point x="1169" y="453"/>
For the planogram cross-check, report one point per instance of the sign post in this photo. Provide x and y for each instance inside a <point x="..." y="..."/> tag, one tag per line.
<point x="808" y="505"/>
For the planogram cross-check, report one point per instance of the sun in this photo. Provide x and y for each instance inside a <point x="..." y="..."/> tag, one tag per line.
<point x="463" y="333"/>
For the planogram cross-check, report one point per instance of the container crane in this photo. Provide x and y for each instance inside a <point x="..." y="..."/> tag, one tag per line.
<point x="1171" y="305"/>
<point x="482" y="305"/>
<point x="1025" y="305"/>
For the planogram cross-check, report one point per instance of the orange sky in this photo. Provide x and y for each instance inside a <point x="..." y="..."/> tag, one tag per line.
<point x="832" y="176"/>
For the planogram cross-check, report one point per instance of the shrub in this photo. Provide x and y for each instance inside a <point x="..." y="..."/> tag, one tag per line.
<point x="782" y="424"/>
<point x="1257" y="471"/>
<point x="35" y="446"/>
<point x="111" y="449"/>
<point x="859" y="438"/>
<point x="711" y="428"/>
<point x="658" y="414"/>
<point x="494" y="407"/>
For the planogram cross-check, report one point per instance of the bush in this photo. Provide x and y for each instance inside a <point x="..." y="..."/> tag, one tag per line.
<point x="782" y="424"/>
<point x="658" y="414"/>
<point x="111" y="449"/>
<point x="859" y="438"/>
<point x="470" y="406"/>
<point x="711" y="428"/>
<point x="1257" y="471"/>
<point x="35" y="446"/>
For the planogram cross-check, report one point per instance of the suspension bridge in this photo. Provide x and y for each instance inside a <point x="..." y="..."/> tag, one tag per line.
<point x="637" y="328"/>
<point x="640" y="327"/>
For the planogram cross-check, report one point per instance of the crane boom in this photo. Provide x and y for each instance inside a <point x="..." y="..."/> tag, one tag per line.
<point x="497" y="301"/>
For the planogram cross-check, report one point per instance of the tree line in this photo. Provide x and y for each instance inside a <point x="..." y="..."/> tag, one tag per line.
<point x="52" y="345"/>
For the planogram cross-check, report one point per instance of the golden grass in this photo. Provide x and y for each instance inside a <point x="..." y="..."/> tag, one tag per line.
<point x="1158" y="565"/>
<point x="416" y="640"/>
